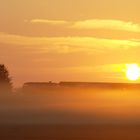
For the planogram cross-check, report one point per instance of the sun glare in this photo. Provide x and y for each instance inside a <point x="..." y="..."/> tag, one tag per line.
<point x="132" y="72"/>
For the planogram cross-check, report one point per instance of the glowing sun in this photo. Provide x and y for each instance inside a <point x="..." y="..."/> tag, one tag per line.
<point x="132" y="72"/>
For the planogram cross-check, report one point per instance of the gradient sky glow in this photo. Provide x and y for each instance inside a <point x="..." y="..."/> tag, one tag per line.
<point x="69" y="40"/>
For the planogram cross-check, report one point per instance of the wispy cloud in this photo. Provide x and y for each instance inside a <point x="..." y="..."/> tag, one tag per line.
<point x="108" y="24"/>
<point x="68" y="44"/>
<point x="46" y="21"/>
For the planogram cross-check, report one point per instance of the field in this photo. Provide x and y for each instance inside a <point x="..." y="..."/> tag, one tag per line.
<point x="71" y="114"/>
<point x="70" y="132"/>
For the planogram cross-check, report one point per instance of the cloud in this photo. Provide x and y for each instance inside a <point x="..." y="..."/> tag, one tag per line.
<point x="108" y="24"/>
<point x="46" y="21"/>
<point x="68" y="44"/>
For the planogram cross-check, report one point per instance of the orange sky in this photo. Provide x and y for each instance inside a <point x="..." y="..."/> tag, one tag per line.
<point x="73" y="40"/>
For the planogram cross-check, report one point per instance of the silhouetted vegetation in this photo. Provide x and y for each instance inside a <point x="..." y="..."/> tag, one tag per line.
<point x="5" y="80"/>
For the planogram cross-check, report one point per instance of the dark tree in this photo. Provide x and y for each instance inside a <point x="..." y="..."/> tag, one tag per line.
<point x="5" y="80"/>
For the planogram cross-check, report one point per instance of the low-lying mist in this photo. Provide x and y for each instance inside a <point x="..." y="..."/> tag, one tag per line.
<point x="71" y="105"/>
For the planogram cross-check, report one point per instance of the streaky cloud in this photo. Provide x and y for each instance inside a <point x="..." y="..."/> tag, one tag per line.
<point x="68" y="44"/>
<point x="108" y="24"/>
<point x="46" y="21"/>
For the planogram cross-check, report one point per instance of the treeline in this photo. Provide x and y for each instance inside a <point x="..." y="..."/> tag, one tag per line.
<point x="5" y="80"/>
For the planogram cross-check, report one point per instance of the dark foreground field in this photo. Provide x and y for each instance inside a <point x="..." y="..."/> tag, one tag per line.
<point x="70" y="132"/>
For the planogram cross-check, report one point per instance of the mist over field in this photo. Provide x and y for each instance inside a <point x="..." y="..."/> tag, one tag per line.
<point x="71" y="106"/>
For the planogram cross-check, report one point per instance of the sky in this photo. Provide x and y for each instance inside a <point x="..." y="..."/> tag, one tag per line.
<point x="69" y="40"/>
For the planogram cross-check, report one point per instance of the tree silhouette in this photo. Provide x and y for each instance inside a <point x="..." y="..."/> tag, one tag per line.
<point x="5" y="80"/>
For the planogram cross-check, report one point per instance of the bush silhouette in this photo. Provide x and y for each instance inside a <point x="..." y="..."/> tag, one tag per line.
<point x="5" y="80"/>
